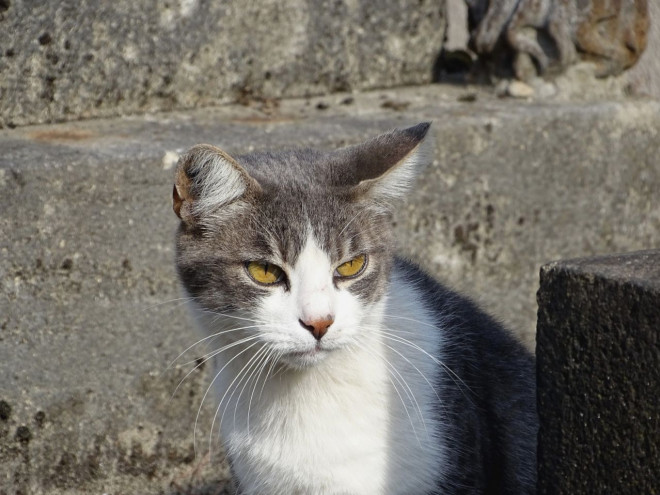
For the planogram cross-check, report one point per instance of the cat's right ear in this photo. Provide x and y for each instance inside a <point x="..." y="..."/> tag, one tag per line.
<point x="207" y="179"/>
<point x="385" y="167"/>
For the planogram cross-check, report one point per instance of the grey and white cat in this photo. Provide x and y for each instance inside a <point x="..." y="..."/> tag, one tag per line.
<point x="340" y="368"/>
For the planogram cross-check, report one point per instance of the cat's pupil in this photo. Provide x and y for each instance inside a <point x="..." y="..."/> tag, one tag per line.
<point x="263" y="272"/>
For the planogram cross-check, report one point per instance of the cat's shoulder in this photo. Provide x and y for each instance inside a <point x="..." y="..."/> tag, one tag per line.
<point x="437" y="295"/>
<point x="459" y="316"/>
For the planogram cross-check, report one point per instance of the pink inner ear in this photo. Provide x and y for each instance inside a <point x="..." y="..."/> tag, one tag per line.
<point x="176" y="201"/>
<point x="181" y="193"/>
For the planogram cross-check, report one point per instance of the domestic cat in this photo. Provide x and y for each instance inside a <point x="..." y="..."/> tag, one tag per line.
<point x="341" y="368"/>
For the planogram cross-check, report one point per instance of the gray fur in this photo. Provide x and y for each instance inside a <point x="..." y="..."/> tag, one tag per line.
<point x="286" y="192"/>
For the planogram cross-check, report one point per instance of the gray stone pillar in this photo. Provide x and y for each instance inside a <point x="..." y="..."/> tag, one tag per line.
<point x="598" y="354"/>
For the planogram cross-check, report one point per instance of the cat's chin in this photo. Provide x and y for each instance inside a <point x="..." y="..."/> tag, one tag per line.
<point x="305" y="359"/>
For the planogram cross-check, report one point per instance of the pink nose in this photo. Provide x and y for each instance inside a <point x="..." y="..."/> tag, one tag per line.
<point x="318" y="328"/>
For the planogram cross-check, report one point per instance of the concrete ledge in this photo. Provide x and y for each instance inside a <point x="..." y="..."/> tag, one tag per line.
<point x="70" y="60"/>
<point x="598" y="357"/>
<point x="89" y="310"/>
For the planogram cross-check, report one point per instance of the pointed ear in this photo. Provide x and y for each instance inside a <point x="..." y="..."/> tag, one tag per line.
<point x="385" y="167"/>
<point x="206" y="179"/>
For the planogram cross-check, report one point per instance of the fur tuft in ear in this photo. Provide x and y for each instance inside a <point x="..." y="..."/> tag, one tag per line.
<point x="206" y="179"/>
<point x="386" y="166"/>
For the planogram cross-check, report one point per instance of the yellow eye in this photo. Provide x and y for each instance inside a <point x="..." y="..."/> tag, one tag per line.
<point x="352" y="268"/>
<point x="264" y="273"/>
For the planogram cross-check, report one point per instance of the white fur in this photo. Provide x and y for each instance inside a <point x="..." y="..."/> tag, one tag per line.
<point x="331" y="417"/>
<point x="396" y="182"/>
<point x="223" y="183"/>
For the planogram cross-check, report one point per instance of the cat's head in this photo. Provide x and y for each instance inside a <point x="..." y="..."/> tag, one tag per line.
<point x="293" y="250"/>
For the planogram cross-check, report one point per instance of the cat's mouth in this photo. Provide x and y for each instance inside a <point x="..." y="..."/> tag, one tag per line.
<point x="306" y="358"/>
<point x="311" y="352"/>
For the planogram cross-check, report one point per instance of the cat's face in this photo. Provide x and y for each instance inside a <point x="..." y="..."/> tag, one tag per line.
<point x="291" y="252"/>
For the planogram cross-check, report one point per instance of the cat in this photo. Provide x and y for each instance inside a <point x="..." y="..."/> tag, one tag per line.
<point x="342" y="368"/>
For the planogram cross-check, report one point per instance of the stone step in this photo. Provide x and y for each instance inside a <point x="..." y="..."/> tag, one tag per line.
<point x="90" y="310"/>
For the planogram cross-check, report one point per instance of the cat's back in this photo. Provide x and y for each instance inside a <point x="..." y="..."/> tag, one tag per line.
<point x="487" y="384"/>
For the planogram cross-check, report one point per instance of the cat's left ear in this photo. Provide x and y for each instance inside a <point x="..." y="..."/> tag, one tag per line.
<point x="386" y="166"/>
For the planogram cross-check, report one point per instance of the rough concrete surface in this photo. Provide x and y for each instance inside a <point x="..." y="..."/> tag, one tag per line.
<point x="89" y="311"/>
<point x="598" y="356"/>
<point x="68" y="60"/>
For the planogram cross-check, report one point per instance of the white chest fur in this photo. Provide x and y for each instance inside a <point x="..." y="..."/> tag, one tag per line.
<point x="360" y="422"/>
<point x="315" y="433"/>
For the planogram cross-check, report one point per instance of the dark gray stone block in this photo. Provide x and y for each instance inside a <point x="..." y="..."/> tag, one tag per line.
<point x="598" y="355"/>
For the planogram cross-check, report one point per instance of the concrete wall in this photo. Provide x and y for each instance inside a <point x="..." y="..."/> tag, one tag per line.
<point x="598" y="375"/>
<point x="70" y="60"/>
<point x="89" y="312"/>
<point x="73" y="59"/>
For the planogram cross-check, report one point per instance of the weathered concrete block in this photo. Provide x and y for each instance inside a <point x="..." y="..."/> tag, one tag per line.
<point x="598" y="355"/>
<point x="67" y="60"/>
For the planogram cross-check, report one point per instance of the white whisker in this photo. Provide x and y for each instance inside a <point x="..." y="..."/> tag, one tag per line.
<point x="454" y="376"/>
<point x="199" y="410"/>
<point x="179" y="300"/>
<point x="257" y="364"/>
<point x="350" y="222"/>
<point x="391" y="369"/>
<point x="217" y="334"/>
<point x="238" y="376"/>
<point x="270" y="368"/>
<point x="265" y="361"/>
<point x="203" y="359"/>
<point x="416" y="369"/>
<point x="410" y="319"/>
